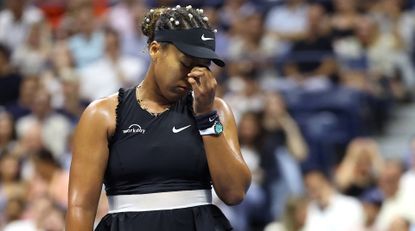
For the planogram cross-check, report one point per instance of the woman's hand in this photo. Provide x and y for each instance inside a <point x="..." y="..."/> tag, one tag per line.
<point x="204" y="87"/>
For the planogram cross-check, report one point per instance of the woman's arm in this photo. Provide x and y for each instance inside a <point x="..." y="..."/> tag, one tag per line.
<point x="89" y="160"/>
<point x="230" y="174"/>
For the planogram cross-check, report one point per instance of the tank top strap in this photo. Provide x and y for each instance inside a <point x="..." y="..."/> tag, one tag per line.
<point x="121" y="96"/>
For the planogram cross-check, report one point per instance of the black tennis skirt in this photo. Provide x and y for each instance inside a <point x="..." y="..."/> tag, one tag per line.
<point x="198" y="218"/>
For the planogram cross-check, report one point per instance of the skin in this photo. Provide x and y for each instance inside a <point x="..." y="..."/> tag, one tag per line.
<point x="170" y="75"/>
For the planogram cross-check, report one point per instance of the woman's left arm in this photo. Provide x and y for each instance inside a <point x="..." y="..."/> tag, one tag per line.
<point x="230" y="174"/>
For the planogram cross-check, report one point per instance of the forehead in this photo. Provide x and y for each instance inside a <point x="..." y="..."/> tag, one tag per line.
<point x="190" y="60"/>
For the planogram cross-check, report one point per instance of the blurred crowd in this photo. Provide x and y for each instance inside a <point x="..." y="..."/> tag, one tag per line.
<point x="309" y="82"/>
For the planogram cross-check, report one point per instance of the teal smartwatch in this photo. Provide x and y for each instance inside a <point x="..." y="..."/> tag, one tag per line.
<point x="215" y="130"/>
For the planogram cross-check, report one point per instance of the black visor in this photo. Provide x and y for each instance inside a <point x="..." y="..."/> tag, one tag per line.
<point x="196" y="42"/>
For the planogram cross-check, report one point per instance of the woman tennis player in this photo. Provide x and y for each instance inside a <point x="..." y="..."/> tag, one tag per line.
<point x="160" y="146"/>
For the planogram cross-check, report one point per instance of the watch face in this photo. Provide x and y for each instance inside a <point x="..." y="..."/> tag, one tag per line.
<point x="218" y="128"/>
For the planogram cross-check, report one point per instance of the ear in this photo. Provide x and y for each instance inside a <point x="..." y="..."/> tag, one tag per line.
<point x="154" y="49"/>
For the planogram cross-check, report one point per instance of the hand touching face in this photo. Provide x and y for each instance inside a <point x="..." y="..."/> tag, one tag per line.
<point x="204" y="87"/>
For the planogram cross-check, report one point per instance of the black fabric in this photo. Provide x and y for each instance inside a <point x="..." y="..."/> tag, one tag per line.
<point x="196" y="42"/>
<point x="206" y="121"/>
<point x="146" y="156"/>
<point x="308" y="54"/>
<point x="357" y="191"/>
<point x="199" y="218"/>
<point x="9" y="88"/>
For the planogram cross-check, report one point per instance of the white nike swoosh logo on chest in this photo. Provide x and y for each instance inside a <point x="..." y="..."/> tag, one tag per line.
<point x="177" y="130"/>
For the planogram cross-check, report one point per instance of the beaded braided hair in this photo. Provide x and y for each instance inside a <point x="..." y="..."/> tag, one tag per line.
<point x="173" y="19"/>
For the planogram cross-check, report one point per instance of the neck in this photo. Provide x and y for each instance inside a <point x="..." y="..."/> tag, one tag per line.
<point x="150" y="93"/>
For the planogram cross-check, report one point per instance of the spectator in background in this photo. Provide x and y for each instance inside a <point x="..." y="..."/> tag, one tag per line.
<point x="244" y="93"/>
<point x="29" y="142"/>
<point x="311" y="62"/>
<point x="53" y="220"/>
<point x="13" y="211"/>
<point x="400" y="224"/>
<point x="55" y="179"/>
<point x="394" y="19"/>
<point x="252" y="44"/>
<point x="16" y="20"/>
<point x="12" y="189"/>
<point x="9" y="80"/>
<point x="87" y="45"/>
<point x="344" y="19"/>
<point x="30" y="58"/>
<point x="7" y="134"/>
<point x="371" y="201"/>
<point x="55" y="128"/>
<point x="123" y="18"/>
<point x="61" y="66"/>
<point x="73" y="105"/>
<point x="359" y="168"/>
<point x="53" y="11"/>
<point x="27" y="91"/>
<point x="288" y="22"/>
<point x="385" y="60"/>
<point x="111" y="72"/>
<point x="294" y="216"/>
<point x="407" y="183"/>
<point x="328" y="209"/>
<point x="230" y="13"/>
<point x="251" y="212"/>
<point x="283" y="149"/>
<point x="32" y="216"/>
<point x="394" y="204"/>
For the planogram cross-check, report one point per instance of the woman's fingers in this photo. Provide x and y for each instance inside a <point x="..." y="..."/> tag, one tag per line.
<point x="204" y="87"/>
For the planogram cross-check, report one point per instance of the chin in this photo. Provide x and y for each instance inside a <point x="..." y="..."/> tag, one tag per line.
<point x="174" y="95"/>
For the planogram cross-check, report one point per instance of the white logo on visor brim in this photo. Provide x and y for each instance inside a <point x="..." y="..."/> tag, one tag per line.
<point x="134" y="128"/>
<point x="204" y="38"/>
<point x="177" y="130"/>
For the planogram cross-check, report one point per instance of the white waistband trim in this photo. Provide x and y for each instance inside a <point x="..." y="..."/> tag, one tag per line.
<point x="159" y="201"/>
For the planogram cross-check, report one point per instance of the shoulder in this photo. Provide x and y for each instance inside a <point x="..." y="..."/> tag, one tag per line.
<point x="224" y="111"/>
<point x="221" y="105"/>
<point x="103" y="106"/>
<point x="102" y="112"/>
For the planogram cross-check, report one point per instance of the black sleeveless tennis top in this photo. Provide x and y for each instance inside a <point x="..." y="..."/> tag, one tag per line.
<point x="150" y="154"/>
